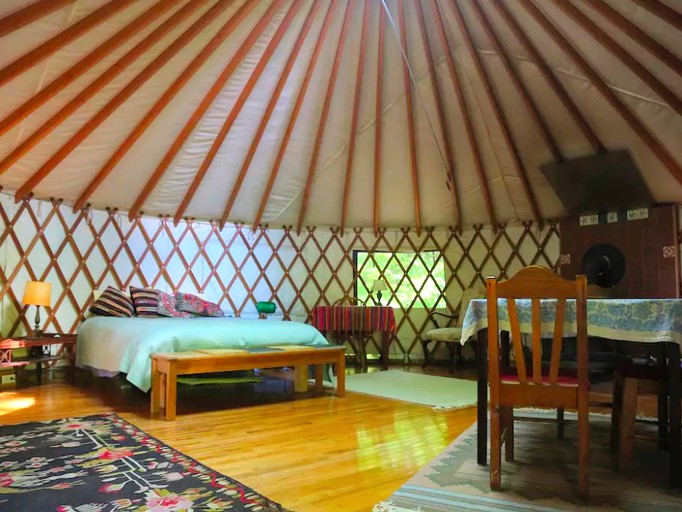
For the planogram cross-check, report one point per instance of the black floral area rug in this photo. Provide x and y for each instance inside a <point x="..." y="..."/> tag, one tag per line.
<point x="104" y="464"/>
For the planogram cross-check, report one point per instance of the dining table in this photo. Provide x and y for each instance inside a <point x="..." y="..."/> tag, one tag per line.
<point x="657" y="321"/>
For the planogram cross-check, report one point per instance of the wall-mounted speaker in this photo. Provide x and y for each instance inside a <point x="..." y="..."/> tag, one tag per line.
<point x="629" y="254"/>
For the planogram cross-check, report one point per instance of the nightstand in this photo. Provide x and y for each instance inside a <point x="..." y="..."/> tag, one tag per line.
<point x="38" y="352"/>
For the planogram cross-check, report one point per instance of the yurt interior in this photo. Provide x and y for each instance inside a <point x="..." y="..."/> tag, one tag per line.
<point x="340" y="255"/>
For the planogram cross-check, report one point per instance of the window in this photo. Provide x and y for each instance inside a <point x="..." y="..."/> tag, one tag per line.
<point x="407" y="274"/>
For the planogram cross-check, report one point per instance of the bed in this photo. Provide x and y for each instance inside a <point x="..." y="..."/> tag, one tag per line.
<point x="109" y="345"/>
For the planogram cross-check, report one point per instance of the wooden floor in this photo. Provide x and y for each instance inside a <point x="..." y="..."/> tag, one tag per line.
<point x="310" y="453"/>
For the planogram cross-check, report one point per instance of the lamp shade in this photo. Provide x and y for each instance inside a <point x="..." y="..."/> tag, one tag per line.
<point x="379" y="285"/>
<point x="37" y="293"/>
<point x="266" y="307"/>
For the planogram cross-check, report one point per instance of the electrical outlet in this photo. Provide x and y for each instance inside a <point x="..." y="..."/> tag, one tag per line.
<point x="10" y="378"/>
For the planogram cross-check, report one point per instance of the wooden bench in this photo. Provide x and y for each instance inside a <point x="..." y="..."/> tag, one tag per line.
<point x="166" y="367"/>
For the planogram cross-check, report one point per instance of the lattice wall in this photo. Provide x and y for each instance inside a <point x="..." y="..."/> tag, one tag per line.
<point x="236" y="267"/>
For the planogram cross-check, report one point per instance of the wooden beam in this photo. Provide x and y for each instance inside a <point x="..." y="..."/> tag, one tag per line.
<point x="532" y="108"/>
<point x="236" y="108"/>
<point x="378" y="118"/>
<point x="46" y="49"/>
<point x="412" y="141"/>
<point x="356" y="110"/>
<point x="663" y="11"/>
<point x="274" y="98"/>
<point x="446" y="134"/>
<point x="633" y="121"/>
<point x="638" y="35"/>
<point x="499" y="113"/>
<point x="549" y="76"/>
<point x="187" y="36"/>
<point x="85" y="64"/>
<point x="331" y="86"/>
<point x="622" y="54"/>
<point x="297" y="108"/>
<point x="464" y="108"/>
<point x="213" y="92"/>
<point x="30" y="13"/>
<point x="182" y="79"/>
<point x="98" y="84"/>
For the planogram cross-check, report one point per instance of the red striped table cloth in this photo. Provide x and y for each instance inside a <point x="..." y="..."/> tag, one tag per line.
<point x="354" y="318"/>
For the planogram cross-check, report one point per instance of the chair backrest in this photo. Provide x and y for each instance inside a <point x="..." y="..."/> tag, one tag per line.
<point x="350" y="300"/>
<point x="473" y="292"/>
<point x="536" y="283"/>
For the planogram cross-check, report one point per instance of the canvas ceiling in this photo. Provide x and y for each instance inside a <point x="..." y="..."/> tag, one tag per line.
<point x="89" y="118"/>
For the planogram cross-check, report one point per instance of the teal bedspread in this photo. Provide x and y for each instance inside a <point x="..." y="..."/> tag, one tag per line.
<point x="113" y="345"/>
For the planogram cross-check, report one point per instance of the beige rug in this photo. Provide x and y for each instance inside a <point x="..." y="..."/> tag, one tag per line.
<point x="438" y="392"/>
<point x="541" y="479"/>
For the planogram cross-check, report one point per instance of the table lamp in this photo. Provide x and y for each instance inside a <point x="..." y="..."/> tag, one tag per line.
<point x="265" y="308"/>
<point x="378" y="286"/>
<point x="37" y="293"/>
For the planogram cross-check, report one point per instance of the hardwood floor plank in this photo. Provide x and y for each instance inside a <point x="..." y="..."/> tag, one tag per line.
<point x="308" y="452"/>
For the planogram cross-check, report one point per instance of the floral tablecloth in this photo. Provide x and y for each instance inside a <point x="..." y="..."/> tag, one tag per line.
<point x="645" y="320"/>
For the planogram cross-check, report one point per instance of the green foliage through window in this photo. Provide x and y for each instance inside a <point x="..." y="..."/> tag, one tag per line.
<point x="414" y="279"/>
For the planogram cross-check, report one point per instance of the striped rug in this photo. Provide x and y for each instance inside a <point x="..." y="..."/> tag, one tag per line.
<point x="541" y="479"/>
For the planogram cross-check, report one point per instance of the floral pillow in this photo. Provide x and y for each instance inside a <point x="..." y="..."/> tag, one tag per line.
<point x="168" y="307"/>
<point x="189" y="303"/>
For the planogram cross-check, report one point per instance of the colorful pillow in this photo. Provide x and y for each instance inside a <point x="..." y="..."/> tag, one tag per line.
<point x="145" y="300"/>
<point x="168" y="306"/>
<point x="196" y="305"/>
<point x="113" y="302"/>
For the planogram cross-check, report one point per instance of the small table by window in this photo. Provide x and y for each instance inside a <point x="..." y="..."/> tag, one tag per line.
<point x="359" y="321"/>
<point x="39" y="352"/>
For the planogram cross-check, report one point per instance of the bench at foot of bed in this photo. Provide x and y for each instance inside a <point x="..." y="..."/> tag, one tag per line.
<point x="166" y="368"/>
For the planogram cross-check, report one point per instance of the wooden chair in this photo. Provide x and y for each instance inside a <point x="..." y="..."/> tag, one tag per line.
<point x="543" y="387"/>
<point x="356" y="339"/>
<point x="451" y="335"/>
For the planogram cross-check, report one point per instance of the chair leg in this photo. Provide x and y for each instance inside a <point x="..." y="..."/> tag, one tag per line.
<point x="663" y="419"/>
<point x="627" y="423"/>
<point x="560" y="423"/>
<point x="425" y="348"/>
<point x="583" y="448"/>
<point x="507" y="418"/>
<point x="495" y="449"/>
<point x="616" y="412"/>
<point x="452" y="353"/>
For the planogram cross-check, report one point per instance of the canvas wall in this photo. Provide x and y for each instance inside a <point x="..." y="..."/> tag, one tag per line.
<point x="236" y="267"/>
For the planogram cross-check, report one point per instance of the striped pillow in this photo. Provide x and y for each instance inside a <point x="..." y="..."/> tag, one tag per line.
<point x="145" y="300"/>
<point x="113" y="302"/>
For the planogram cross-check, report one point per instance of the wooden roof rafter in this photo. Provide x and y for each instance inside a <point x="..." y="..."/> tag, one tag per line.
<point x="329" y="17"/>
<point x="239" y="104"/>
<point x="526" y="97"/>
<point x="378" y="119"/>
<point x="446" y="133"/>
<point x="188" y="35"/>
<point x="30" y="13"/>
<point x="598" y="82"/>
<point x="412" y="139"/>
<point x="67" y="35"/>
<point x="319" y="134"/>
<point x="86" y="63"/>
<point x="213" y="92"/>
<point x="274" y="98"/>
<point x="561" y="92"/>
<point x="621" y="54"/>
<point x="663" y="11"/>
<point x="464" y="108"/>
<point x="356" y="112"/>
<point x="102" y="80"/>
<point x="165" y="99"/>
<point x="519" y="166"/>
<point x="637" y="34"/>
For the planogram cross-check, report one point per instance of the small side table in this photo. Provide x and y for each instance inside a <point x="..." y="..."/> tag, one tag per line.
<point x="39" y="352"/>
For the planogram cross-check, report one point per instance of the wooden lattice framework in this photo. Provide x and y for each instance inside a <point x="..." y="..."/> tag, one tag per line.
<point x="236" y="266"/>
